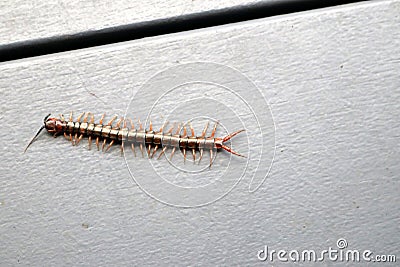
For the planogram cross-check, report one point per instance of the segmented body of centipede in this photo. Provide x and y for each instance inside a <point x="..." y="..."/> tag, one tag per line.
<point x="149" y="140"/>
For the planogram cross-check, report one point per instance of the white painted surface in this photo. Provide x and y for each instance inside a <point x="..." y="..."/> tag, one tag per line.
<point x="331" y="78"/>
<point x="22" y="20"/>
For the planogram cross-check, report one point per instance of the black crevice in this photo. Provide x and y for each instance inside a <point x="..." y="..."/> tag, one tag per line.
<point x="124" y="33"/>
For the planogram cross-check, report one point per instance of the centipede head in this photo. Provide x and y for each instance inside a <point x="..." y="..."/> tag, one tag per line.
<point x="52" y="125"/>
<point x="219" y="143"/>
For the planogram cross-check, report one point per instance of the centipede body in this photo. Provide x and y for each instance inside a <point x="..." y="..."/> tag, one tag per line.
<point x="123" y="131"/>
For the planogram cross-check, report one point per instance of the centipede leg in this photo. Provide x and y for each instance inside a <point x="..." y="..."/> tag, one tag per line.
<point x="122" y="148"/>
<point x="178" y="130"/>
<point x="171" y="129"/>
<point x="172" y="153"/>
<point x="85" y="119"/>
<point x="141" y="149"/>
<point x="163" y="126"/>
<point x="193" y="150"/>
<point x="148" y="151"/>
<point x="90" y="137"/>
<point x="162" y="152"/>
<point x="132" y="125"/>
<point x="76" y="139"/>
<point x="70" y="134"/>
<point x="184" y="131"/>
<point x="211" y="157"/>
<point x="184" y="155"/>
<point x="112" y="120"/>
<point x="97" y="144"/>
<point x="201" y="154"/>
<point x="110" y="145"/>
<point x="80" y="117"/>
<point x="102" y="118"/>
<point x="191" y="129"/>
<point x="104" y="144"/>
<point x="194" y="155"/>
<point x="119" y="122"/>
<point x="214" y="129"/>
<point x="203" y="134"/>
<point x="154" y="151"/>
<point x="70" y="138"/>
<point x="79" y="139"/>
<point x="133" y="149"/>
<point x="140" y="125"/>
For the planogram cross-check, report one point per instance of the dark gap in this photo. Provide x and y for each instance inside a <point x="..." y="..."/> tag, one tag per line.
<point x="159" y="27"/>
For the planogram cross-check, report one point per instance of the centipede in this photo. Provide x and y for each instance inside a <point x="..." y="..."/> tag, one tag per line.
<point x="123" y="131"/>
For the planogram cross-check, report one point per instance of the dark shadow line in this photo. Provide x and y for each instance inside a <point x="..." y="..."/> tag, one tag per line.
<point x="135" y="31"/>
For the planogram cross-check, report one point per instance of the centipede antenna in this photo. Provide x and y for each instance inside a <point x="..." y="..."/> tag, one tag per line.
<point x="45" y="118"/>
<point x="33" y="139"/>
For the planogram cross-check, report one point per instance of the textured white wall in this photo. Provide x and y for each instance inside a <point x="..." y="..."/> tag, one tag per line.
<point x="331" y="78"/>
<point x="22" y="20"/>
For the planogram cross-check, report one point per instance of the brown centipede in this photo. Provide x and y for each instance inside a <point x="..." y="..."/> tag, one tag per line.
<point x="147" y="140"/>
